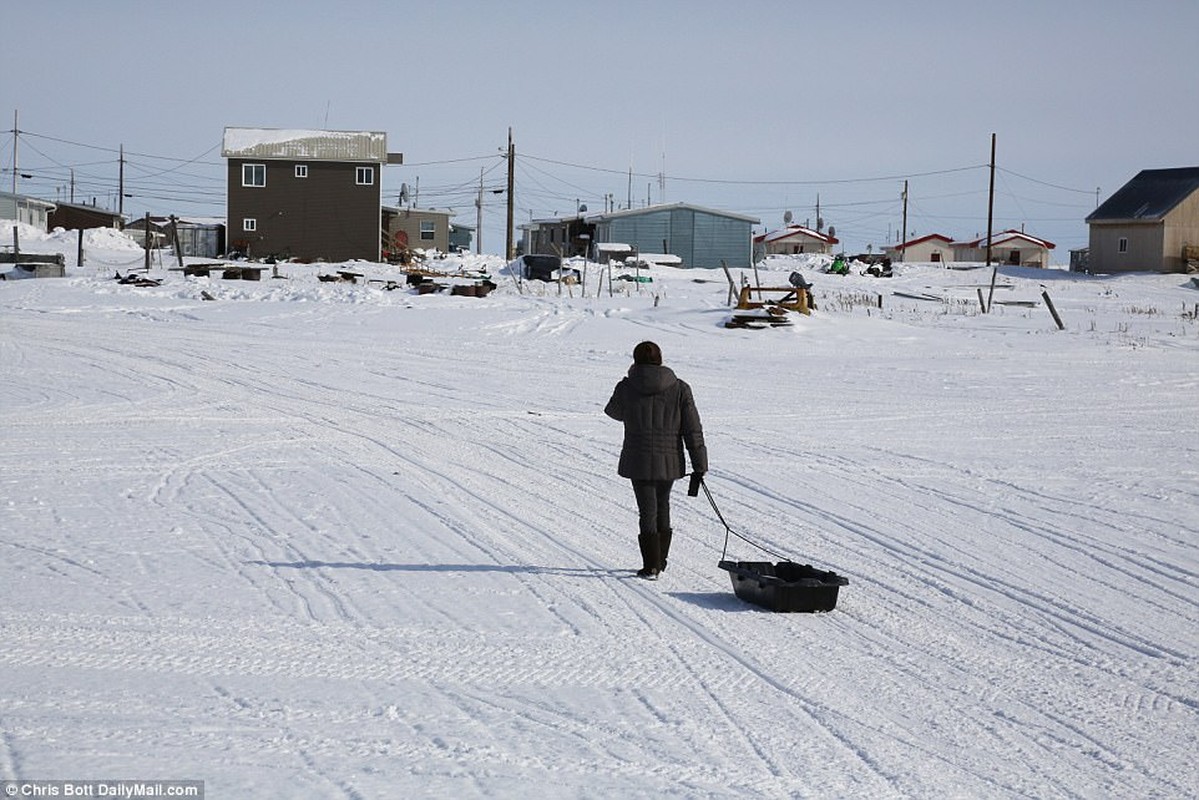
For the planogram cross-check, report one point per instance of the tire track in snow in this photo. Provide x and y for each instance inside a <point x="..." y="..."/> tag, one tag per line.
<point x="752" y="673"/>
<point x="900" y="493"/>
<point x="9" y="761"/>
<point x="290" y="648"/>
<point x="1054" y="613"/>
<point x="434" y="473"/>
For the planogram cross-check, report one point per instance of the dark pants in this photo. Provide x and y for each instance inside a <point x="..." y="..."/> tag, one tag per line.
<point x="653" y="506"/>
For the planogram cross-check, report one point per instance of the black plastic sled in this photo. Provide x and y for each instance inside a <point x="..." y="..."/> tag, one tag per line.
<point x="784" y="586"/>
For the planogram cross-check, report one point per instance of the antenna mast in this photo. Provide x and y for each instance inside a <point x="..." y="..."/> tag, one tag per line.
<point x="662" y="172"/>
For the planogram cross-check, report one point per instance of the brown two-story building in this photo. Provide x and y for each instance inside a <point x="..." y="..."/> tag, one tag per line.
<point x="305" y="194"/>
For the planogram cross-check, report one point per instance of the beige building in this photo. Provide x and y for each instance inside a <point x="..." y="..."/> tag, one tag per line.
<point x="1011" y="247"/>
<point x="1151" y="224"/>
<point x="417" y="228"/>
<point x="934" y="248"/>
<point x="793" y="240"/>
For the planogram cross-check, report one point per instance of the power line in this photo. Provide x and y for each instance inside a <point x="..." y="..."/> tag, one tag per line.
<point x="453" y="161"/>
<point x="1045" y="183"/>
<point x="754" y="182"/>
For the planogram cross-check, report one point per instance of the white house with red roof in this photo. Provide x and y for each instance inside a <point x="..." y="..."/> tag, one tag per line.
<point x="1011" y="247"/>
<point x="792" y="240"/>
<point x="934" y="248"/>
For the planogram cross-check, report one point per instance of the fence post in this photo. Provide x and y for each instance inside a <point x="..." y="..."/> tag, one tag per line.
<point x="1052" y="310"/>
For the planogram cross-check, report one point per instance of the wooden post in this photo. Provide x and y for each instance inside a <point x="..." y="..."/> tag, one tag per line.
<point x="16" y="243"/>
<point x="146" y="219"/>
<point x="732" y="286"/>
<point x="1052" y="310"/>
<point x="981" y="300"/>
<point x="79" y="250"/>
<point x="175" y="236"/>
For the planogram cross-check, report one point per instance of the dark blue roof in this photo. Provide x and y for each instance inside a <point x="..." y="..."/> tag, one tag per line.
<point x="1151" y="195"/>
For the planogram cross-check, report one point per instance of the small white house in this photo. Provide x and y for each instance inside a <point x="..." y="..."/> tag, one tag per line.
<point x="792" y="240"/>
<point x="26" y="209"/>
<point x="1011" y="247"/>
<point x="934" y="248"/>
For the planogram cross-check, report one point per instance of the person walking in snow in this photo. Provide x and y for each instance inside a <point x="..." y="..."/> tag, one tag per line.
<point x="660" y="419"/>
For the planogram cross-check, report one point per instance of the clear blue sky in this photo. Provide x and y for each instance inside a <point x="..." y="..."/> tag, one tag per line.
<point x="754" y="107"/>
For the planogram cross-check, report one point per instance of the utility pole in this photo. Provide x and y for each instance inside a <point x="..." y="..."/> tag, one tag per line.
<point x="121" y="186"/>
<point x="479" y="217"/>
<point x="991" y="202"/>
<point x="510" y="251"/>
<point x="903" y="234"/>
<point x="990" y="222"/>
<point x="15" y="132"/>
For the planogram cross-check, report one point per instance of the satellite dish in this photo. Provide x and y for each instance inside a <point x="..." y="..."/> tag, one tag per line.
<point x="403" y="193"/>
<point x="832" y="231"/>
<point x="787" y="217"/>
<point x="583" y="209"/>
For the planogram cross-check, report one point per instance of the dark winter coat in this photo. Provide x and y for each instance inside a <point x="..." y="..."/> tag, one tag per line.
<point x="660" y="418"/>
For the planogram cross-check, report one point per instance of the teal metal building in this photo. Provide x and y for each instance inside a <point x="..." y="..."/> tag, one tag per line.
<point x="701" y="237"/>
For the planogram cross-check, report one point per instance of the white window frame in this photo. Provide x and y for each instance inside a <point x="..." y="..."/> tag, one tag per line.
<point x="301" y="170"/>
<point x="251" y="174"/>
<point x="249" y="224"/>
<point x="428" y="234"/>
<point x="364" y="176"/>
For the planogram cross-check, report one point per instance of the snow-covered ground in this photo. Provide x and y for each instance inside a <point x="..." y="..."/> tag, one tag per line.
<point x="311" y="540"/>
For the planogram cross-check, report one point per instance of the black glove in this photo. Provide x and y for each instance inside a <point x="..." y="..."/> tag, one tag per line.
<point x="696" y="479"/>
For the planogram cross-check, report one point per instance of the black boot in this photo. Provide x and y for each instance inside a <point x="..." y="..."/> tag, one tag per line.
<point x="650" y="557"/>
<point x="663" y="548"/>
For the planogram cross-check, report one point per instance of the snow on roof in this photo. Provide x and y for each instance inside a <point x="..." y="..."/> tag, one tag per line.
<point x="1007" y="236"/>
<point x="27" y="200"/>
<point x="794" y="230"/>
<point x="292" y="144"/>
<point x="663" y="259"/>
<point x="921" y="240"/>
<point x="409" y="210"/>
